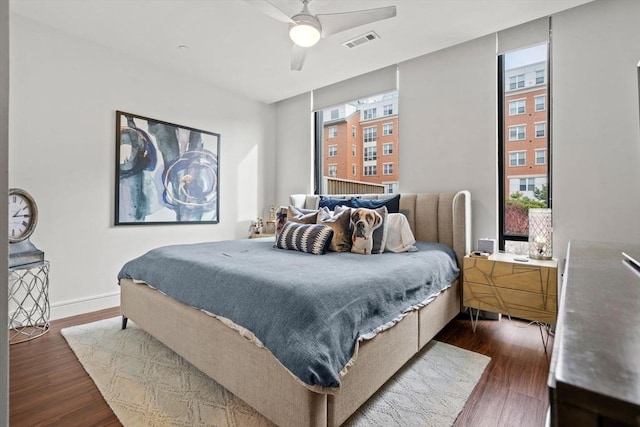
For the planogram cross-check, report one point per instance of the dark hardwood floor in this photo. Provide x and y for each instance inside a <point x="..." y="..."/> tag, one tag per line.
<point x="49" y="387"/>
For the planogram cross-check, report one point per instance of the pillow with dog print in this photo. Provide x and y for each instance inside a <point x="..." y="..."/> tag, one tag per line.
<point x="369" y="230"/>
<point x="340" y="222"/>
<point x="310" y="238"/>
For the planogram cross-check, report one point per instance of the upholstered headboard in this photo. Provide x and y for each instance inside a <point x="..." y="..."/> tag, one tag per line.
<point x="433" y="217"/>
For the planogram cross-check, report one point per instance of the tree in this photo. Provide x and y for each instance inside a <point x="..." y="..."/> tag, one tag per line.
<point x="516" y="215"/>
<point x="542" y="194"/>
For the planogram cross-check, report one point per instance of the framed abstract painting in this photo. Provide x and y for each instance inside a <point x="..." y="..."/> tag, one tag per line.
<point x="165" y="173"/>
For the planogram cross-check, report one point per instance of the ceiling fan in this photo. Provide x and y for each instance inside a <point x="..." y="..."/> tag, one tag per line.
<point x="306" y="29"/>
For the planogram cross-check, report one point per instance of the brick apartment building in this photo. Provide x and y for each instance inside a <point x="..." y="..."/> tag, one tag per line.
<point x="526" y="131"/>
<point x="361" y="142"/>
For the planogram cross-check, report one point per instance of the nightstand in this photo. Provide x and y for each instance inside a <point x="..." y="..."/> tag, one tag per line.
<point x="258" y="235"/>
<point x="502" y="284"/>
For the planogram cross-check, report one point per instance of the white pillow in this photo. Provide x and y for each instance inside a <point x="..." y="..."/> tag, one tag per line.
<point x="399" y="235"/>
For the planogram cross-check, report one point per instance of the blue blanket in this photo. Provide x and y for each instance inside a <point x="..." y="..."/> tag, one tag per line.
<point x="308" y="310"/>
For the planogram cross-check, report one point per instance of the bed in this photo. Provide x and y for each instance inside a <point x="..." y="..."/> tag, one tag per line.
<point x="238" y="360"/>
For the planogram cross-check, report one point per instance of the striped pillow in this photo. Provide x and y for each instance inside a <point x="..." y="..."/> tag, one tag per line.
<point x="309" y="238"/>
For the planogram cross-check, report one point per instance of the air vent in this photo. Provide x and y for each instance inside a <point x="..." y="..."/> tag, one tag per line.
<point x="365" y="38"/>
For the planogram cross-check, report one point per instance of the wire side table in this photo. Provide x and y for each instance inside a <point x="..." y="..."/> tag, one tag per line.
<point x="29" y="309"/>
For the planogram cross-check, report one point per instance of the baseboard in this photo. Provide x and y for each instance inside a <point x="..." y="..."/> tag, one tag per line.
<point x="84" y="305"/>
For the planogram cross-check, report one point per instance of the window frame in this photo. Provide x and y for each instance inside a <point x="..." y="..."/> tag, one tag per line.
<point x="366" y="151"/>
<point x="365" y="136"/>
<point x="332" y="150"/>
<point x="373" y="168"/>
<point x="333" y="132"/>
<point x="385" y="166"/>
<point x="502" y="140"/>
<point x="524" y="106"/>
<point x="524" y="134"/>
<point x="519" y="158"/>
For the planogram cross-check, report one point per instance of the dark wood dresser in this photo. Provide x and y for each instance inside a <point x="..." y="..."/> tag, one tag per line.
<point x="594" y="377"/>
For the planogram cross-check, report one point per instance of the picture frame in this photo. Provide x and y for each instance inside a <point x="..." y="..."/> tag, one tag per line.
<point x="165" y="173"/>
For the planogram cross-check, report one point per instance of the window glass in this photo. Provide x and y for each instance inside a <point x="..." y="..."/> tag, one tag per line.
<point x="523" y="118"/>
<point x="349" y="146"/>
<point x="516" y="107"/>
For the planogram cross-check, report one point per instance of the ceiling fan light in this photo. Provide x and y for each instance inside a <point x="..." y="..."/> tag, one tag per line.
<point x="305" y="33"/>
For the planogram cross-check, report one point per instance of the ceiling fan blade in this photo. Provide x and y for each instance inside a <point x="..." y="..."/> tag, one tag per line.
<point x="333" y="23"/>
<point x="271" y="10"/>
<point x="298" y="54"/>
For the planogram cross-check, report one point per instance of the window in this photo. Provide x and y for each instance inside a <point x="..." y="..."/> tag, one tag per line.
<point x="517" y="133"/>
<point x="370" y="134"/>
<point x="370" y="113"/>
<point x="516" y="107"/>
<point x="370" y="153"/>
<point x="517" y="158"/>
<point x="516" y="82"/>
<point x="387" y="169"/>
<point x="517" y="191"/>
<point x="348" y="137"/>
<point x="527" y="184"/>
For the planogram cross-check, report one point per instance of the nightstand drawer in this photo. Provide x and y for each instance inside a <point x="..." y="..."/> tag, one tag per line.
<point x="516" y="303"/>
<point x="511" y="275"/>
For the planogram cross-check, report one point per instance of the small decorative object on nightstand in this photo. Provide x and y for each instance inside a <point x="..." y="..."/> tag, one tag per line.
<point x="540" y="238"/>
<point x="513" y="285"/>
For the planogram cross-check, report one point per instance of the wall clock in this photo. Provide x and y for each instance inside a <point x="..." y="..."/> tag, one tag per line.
<point x="23" y="218"/>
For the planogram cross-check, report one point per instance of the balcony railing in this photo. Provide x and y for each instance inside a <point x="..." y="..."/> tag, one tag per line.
<point x="345" y="186"/>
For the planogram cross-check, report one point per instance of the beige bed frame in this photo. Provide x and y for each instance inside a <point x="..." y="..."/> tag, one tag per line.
<point x="254" y="375"/>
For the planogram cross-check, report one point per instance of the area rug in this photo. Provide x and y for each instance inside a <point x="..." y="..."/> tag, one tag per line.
<point x="147" y="384"/>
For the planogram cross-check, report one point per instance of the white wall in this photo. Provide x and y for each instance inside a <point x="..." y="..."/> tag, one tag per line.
<point x="294" y="150"/>
<point x="596" y="134"/>
<point x="64" y="94"/>
<point x="448" y="127"/>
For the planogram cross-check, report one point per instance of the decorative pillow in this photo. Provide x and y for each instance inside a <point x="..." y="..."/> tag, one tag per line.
<point x="340" y="222"/>
<point x="303" y="216"/>
<point x="281" y="218"/>
<point x="399" y="235"/>
<point x="331" y="203"/>
<point x="369" y="230"/>
<point x="309" y="238"/>
<point x="392" y="203"/>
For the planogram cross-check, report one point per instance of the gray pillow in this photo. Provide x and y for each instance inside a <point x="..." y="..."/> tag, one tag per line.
<point x="309" y="238"/>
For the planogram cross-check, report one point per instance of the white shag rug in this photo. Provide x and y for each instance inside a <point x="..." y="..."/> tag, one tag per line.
<point x="147" y="384"/>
